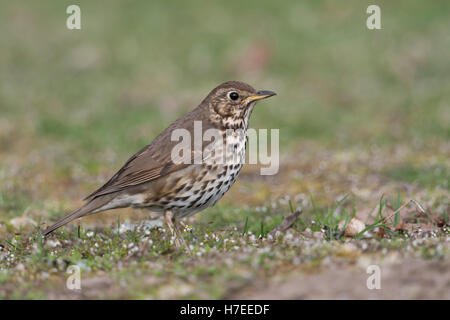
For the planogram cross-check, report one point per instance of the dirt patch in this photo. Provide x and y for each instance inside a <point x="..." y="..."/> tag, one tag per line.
<point x="408" y="279"/>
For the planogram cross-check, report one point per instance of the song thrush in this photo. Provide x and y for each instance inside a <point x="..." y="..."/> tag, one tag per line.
<point x="151" y="178"/>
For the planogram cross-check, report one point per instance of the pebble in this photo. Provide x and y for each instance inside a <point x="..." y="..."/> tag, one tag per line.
<point x="354" y="227"/>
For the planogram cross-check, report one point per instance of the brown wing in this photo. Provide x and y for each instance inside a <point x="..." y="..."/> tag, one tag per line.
<point x="140" y="168"/>
<point x="153" y="161"/>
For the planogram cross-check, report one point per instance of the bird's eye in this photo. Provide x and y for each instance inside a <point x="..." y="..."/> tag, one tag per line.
<point x="233" y="95"/>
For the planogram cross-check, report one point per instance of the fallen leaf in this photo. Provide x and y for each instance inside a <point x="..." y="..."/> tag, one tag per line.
<point x="400" y="226"/>
<point x="380" y="232"/>
<point x="287" y="222"/>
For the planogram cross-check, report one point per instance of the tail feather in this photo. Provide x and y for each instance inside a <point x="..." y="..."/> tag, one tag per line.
<point x="65" y="220"/>
<point x="85" y="210"/>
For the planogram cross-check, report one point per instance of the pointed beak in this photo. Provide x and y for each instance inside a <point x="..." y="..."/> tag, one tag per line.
<point x="263" y="94"/>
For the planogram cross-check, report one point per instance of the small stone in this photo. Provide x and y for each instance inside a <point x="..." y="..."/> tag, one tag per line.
<point x="354" y="227"/>
<point x="22" y="222"/>
<point x="20" y="267"/>
<point x="52" y="244"/>
<point x="318" y="235"/>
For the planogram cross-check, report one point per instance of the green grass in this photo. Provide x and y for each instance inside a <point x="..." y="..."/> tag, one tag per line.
<point x="425" y="176"/>
<point x="102" y="86"/>
<point x="120" y="257"/>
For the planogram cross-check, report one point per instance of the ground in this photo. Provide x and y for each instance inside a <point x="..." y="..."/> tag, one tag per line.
<point x="364" y="133"/>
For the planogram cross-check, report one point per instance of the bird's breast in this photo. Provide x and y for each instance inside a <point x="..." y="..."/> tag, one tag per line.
<point x="201" y="185"/>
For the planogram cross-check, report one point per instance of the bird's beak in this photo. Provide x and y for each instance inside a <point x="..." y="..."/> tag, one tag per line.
<point x="263" y="94"/>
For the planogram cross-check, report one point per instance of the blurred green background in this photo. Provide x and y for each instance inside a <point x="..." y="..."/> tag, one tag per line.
<point x="137" y="65"/>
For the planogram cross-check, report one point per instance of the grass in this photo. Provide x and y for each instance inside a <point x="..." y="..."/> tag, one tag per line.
<point x="225" y="258"/>
<point x="428" y="176"/>
<point x="364" y="127"/>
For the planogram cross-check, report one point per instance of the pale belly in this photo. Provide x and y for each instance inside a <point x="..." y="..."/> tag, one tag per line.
<point x="219" y="176"/>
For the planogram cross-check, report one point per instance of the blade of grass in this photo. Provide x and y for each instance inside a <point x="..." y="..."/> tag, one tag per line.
<point x="397" y="215"/>
<point x="118" y="228"/>
<point x="291" y="207"/>
<point x="261" y="233"/>
<point x="245" y="226"/>
<point x="338" y="203"/>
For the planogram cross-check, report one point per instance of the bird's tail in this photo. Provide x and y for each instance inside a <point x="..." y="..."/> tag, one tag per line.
<point x="88" y="208"/>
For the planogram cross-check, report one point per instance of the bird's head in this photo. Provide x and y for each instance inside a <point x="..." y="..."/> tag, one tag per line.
<point x="232" y="102"/>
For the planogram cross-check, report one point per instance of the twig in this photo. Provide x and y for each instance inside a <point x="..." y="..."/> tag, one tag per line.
<point x="287" y="222"/>
<point x="418" y="205"/>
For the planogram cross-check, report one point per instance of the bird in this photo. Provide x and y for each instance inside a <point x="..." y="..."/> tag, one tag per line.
<point x="159" y="179"/>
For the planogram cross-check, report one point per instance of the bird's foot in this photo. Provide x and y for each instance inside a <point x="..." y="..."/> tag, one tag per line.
<point x="180" y="242"/>
<point x="177" y="235"/>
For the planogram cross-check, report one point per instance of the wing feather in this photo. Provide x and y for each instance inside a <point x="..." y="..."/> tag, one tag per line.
<point x="154" y="160"/>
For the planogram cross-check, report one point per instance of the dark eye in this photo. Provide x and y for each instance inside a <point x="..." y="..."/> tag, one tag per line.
<point x="233" y="95"/>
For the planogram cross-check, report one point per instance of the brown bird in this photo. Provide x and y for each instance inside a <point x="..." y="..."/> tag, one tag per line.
<point x="177" y="178"/>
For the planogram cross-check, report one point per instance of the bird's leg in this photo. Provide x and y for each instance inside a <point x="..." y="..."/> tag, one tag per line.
<point x="169" y="219"/>
<point x="178" y="237"/>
